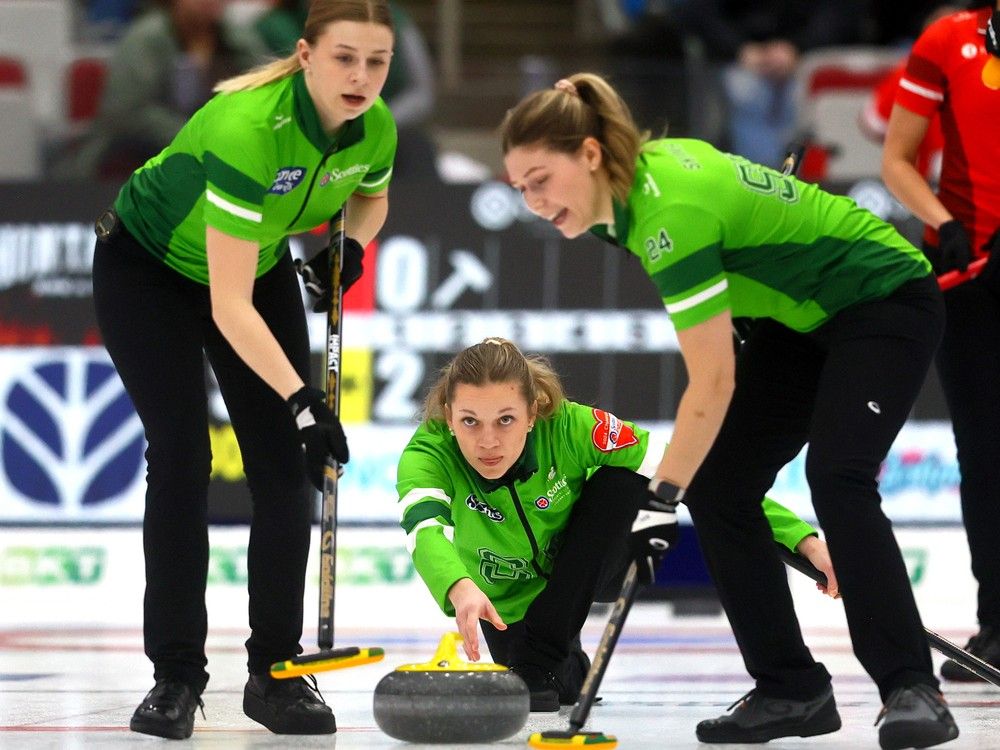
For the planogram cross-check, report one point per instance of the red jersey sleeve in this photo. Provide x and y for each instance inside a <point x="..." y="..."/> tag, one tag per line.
<point x="922" y="85"/>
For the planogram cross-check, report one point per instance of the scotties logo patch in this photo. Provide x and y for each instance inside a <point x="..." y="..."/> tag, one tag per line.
<point x="287" y="179"/>
<point x="610" y="433"/>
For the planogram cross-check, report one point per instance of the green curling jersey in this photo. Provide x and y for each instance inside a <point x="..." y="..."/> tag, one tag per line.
<point x="717" y="232"/>
<point x="254" y="164"/>
<point x="504" y="534"/>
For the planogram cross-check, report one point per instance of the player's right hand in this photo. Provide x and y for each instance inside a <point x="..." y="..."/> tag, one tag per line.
<point x="472" y="605"/>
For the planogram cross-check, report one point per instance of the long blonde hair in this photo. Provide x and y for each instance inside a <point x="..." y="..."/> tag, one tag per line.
<point x="561" y="118"/>
<point x="321" y="14"/>
<point x="497" y="360"/>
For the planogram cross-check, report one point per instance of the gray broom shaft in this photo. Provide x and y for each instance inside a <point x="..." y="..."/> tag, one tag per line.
<point x="328" y="516"/>
<point x="971" y="662"/>
<point x="578" y="717"/>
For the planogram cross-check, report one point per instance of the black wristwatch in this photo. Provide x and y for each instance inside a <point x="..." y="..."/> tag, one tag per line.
<point x="666" y="491"/>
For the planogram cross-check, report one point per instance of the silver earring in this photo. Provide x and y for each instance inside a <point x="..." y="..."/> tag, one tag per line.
<point x="451" y="432"/>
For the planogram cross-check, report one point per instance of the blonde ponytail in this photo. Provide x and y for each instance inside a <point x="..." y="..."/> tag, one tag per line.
<point x="581" y="106"/>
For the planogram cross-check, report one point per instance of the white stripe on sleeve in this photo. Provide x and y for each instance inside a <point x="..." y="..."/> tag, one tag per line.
<point x="696" y="299"/>
<point x="375" y="183"/>
<point x="921" y="90"/>
<point x="229" y="207"/>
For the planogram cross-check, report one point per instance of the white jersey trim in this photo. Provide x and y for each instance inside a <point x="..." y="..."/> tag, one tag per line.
<point x="229" y="207"/>
<point x="376" y="183"/>
<point x="651" y="461"/>
<point x="919" y="90"/>
<point x="696" y="299"/>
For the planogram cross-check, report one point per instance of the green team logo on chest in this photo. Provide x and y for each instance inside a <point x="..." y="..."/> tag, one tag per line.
<point x="496" y="568"/>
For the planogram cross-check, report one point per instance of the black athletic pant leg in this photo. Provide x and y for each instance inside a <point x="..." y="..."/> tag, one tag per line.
<point x="278" y="549"/>
<point x="765" y="427"/>
<point x="968" y="363"/>
<point x="879" y="354"/>
<point x="153" y="322"/>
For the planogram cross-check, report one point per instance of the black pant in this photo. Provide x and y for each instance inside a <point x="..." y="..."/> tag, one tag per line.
<point x="589" y="567"/>
<point x="846" y="389"/>
<point x="157" y="326"/>
<point x="968" y="364"/>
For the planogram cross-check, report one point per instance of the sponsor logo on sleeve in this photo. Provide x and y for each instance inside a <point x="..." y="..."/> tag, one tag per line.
<point x="287" y="179"/>
<point x="610" y="433"/>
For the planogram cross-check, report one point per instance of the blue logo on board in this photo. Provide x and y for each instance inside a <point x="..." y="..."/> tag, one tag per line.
<point x="70" y="436"/>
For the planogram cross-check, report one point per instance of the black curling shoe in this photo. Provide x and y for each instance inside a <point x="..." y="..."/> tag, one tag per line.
<point x="915" y="716"/>
<point x="986" y="645"/>
<point x="760" y="718"/>
<point x="291" y="706"/>
<point x="167" y="711"/>
<point x="543" y="687"/>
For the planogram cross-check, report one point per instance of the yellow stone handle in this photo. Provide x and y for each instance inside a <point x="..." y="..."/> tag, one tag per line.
<point x="446" y="659"/>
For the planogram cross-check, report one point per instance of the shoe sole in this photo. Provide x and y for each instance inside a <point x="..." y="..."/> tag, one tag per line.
<point x="903" y="734"/>
<point x="257" y="709"/>
<point x="159" y="729"/>
<point x="823" y="722"/>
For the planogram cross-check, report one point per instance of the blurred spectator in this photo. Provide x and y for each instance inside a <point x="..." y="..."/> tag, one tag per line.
<point x="162" y="70"/>
<point x="107" y="19"/>
<point x="281" y="26"/>
<point x="873" y="120"/>
<point x="891" y="25"/>
<point x="645" y="59"/>
<point x="758" y="45"/>
<point x="409" y="89"/>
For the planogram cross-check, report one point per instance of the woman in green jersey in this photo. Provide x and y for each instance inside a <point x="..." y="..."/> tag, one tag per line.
<point x="847" y="319"/>
<point x="193" y="260"/>
<point x="521" y="507"/>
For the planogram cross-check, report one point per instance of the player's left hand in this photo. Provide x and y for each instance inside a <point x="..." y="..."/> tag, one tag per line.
<point x="316" y="273"/>
<point x="815" y="551"/>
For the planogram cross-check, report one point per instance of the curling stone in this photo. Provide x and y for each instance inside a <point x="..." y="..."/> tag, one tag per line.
<point x="451" y="700"/>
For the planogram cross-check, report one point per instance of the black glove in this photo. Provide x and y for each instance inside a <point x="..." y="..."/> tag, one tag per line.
<point x="316" y="272"/>
<point x="654" y="530"/>
<point x="319" y="430"/>
<point x="954" y="250"/>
